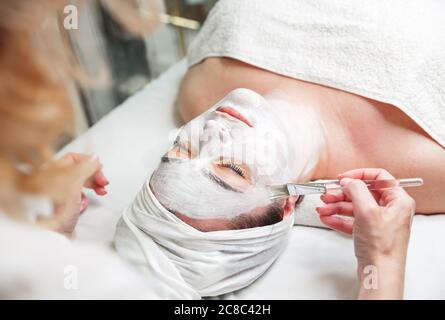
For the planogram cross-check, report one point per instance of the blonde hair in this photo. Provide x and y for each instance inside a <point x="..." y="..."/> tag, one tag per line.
<point x="37" y="66"/>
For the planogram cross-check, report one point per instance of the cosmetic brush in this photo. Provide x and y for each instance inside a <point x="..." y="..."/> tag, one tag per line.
<point x="325" y="186"/>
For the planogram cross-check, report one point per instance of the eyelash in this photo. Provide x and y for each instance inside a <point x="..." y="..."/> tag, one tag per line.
<point x="238" y="170"/>
<point x="235" y="169"/>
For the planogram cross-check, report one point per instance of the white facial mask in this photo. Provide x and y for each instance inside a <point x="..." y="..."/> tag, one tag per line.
<point x="265" y="147"/>
<point x="187" y="187"/>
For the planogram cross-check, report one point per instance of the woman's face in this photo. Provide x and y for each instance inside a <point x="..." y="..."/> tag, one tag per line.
<point x="222" y="160"/>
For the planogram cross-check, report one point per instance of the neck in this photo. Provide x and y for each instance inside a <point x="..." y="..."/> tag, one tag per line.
<point x="307" y="135"/>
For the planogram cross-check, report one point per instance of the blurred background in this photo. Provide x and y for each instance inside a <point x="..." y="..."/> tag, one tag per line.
<point x="131" y="61"/>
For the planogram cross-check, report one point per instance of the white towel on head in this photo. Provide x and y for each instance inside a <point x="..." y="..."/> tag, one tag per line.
<point x="391" y="51"/>
<point x="191" y="263"/>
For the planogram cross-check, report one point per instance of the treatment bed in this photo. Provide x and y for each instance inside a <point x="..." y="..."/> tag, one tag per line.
<point x="316" y="264"/>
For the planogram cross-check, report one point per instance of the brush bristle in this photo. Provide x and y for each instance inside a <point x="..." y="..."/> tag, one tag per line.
<point x="279" y="191"/>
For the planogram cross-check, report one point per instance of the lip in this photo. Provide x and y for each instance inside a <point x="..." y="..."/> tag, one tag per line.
<point x="234" y="114"/>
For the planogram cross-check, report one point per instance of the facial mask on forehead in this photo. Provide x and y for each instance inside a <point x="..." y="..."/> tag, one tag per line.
<point x="186" y="187"/>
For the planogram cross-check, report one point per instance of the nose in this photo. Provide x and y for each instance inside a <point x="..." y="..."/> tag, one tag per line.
<point x="224" y="134"/>
<point x="219" y="129"/>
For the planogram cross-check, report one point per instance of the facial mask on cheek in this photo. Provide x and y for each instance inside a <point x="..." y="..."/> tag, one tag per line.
<point x="185" y="187"/>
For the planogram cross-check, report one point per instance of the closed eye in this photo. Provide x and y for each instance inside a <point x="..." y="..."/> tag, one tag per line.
<point x="236" y="169"/>
<point x="234" y="173"/>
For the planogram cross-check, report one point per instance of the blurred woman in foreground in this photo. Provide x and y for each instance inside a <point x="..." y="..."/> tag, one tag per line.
<point x="37" y="68"/>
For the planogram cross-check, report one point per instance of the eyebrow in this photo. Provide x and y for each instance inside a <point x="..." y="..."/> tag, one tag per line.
<point x="166" y="159"/>
<point x="219" y="181"/>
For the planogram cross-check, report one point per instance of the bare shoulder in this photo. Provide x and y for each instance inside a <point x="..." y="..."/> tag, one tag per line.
<point x="206" y="83"/>
<point x="196" y="92"/>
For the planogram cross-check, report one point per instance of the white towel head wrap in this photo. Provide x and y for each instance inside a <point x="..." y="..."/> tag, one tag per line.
<point x="192" y="263"/>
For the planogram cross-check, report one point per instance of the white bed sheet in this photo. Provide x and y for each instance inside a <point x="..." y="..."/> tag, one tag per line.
<point x="317" y="263"/>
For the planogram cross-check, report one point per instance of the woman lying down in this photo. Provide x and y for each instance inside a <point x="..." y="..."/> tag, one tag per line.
<point x="203" y="223"/>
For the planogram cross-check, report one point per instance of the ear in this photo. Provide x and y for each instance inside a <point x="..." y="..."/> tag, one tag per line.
<point x="289" y="206"/>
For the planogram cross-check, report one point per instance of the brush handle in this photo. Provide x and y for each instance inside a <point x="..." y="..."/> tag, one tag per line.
<point x="334" y="185"/>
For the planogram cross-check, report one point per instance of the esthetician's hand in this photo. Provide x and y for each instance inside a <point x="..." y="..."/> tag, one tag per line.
<point x="380" y="228"/>
<point x="93" y="179"/>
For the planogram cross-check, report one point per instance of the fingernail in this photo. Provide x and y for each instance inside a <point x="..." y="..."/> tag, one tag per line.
<point x="345" y="181"/>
